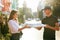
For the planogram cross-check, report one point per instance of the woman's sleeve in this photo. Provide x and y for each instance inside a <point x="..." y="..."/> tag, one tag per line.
<point x="14" y="25"/>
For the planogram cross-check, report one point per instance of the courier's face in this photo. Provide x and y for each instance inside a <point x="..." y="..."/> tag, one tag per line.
<point x="47" y="12"/>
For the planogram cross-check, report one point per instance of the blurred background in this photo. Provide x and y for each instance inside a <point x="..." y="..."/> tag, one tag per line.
<point x="28" y="10"/>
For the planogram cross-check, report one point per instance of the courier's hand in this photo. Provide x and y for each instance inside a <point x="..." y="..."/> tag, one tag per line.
<point x="38" y="28"/>
<point x="47" y="26"/>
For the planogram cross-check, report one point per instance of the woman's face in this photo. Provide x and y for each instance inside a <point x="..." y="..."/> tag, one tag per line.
<point x="15" y="16"/>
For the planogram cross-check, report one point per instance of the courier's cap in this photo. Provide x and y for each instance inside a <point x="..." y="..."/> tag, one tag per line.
<point x="47" y="7"/>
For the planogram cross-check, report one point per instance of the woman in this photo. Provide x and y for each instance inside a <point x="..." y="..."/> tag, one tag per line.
<point x="14" y="26"/>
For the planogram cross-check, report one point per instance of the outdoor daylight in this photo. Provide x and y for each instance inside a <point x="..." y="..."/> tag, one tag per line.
<point x="29" y="19"/>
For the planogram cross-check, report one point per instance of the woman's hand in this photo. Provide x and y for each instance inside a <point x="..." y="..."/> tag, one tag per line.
<point x="27" y="26"/>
